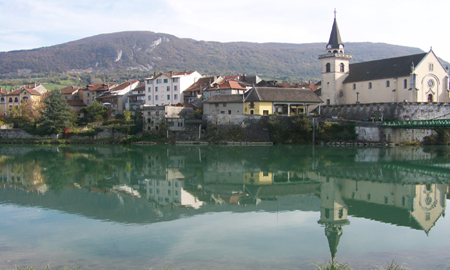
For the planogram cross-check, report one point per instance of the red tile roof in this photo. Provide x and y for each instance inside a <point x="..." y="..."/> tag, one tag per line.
<point x="226" y="84"/>
<point x="99" y="87"/>
<point x="76" y="103"/>
<point x="124" y="85"/>
<point x="70" y="89"/>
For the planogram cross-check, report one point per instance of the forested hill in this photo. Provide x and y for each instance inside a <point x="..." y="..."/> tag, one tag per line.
<point x="149" y="52"/>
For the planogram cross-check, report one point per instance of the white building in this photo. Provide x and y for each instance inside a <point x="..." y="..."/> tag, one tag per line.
<point x="167" y="88"/>
<point x="413" y="78"/>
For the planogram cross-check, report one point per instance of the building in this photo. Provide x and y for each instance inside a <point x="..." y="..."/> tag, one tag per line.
<point x="413" y="78"/>
<point x="136" y="98"/>
<point x="224" y="104"/>
<point x="92" y="91"/>
<point x="225" y="87"/>
<point x="71" y="93"/>
<point x="167" y="88"/>
<point x="15" y="98"/>
<point x="172" y="117"/>
<point x="117" y="96"/>
<point x="283" y="101"/>
<point x="195" y="91"/>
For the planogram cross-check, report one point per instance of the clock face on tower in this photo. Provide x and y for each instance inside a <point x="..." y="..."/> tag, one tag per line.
<point x="329" y="47"/>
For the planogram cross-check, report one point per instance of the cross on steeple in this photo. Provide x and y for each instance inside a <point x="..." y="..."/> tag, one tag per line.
<point x="335" y="13"/>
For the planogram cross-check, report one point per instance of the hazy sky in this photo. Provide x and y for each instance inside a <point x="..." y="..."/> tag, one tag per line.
<point x="27" y="24"/>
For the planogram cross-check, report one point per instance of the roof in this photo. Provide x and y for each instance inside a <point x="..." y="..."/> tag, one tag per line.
<point x="335" y="36"/>
<point x="99" y="87"/>
<point x="76" y="103"/>
<point x="225" y="99"/>
<point x="18" y="91"/>
<point x="227" y="84"/>
<point x="201" y="84"/>
<point x="277" y="94"/>
<point x="140" y="88"/>
<point x="125" y="85"/>
<point x="70" y="89"/>
<point x="382" y="69"/>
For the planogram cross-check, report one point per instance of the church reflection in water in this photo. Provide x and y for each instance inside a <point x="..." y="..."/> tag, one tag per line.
<point x="403" y="187"/>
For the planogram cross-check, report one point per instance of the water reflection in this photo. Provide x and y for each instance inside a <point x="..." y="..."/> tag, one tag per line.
<point x="399" y="186"/>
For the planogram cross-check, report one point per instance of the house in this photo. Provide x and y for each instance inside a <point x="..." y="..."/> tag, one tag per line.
<point x="224" y="104"/>
<point x="284" y="101"/>
<point x="414" y="78"/>
<point x="76" y="105"/>
<point x="72" y="93"/>
<point x="172" y="117"/>
<point x="15" y="98"/>
<point x="225" y="87"/>
<point x="116" y="97"/>
<point x="92" y="91"/>
<point x="167" y="88"/>
<point x="194" y="92"/>
<point x="136" y="98"/>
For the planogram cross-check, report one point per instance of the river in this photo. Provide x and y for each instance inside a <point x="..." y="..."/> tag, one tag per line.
<point x="223" y="207"/>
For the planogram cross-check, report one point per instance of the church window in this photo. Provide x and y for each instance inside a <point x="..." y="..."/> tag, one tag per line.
<point x="342" y="67"/>
<point x="354" y="86"/>
<point x="430" y="98"/>
<point x="388" y="83"/>
<point x="328" y="67"/>
<point x="405" y="83"/>
<point x="370" y="85"/>
<point x="431" y="66"/>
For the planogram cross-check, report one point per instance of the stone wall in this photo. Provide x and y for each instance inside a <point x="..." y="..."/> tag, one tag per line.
<point x="251" y="127"/>
<point x="21" y="134"/>
<point x="107" y="133"/>
<point x="376" y="133"/>
<point x="389" y="111"/>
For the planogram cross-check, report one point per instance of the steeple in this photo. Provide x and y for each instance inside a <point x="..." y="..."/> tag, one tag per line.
<point x="335" y="44"/>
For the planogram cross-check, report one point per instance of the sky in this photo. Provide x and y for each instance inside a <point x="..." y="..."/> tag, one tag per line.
<point x="29" y="24"/>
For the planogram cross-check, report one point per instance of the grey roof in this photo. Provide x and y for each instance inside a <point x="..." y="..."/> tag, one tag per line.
<point x="385" y="68"/>
<point x="225" y="98"/>
<point x="276" y="94"/>
<point x="335" y="37"/>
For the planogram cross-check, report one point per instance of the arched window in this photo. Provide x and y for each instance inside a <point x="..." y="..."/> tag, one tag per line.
<point x="342" y="67"/>
<point x="10" y="99"/>
<point x="430" y="98"/>
<point x="3" y="99"/>
<point x="328" y="67"/>
<point x="388" y="83"/>
<point x="16" y="99"/>
<point x="370" y="85"/>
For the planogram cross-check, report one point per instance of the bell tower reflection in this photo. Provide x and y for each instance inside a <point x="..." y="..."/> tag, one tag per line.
<point x="333" y="212"/>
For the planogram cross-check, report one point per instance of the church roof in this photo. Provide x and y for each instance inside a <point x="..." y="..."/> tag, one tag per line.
<point x="382" y="69"/>
<point x="335" y="37"/>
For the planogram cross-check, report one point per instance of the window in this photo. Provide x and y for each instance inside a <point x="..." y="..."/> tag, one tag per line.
<point x="265" y="112"/>
<point x="370" y="85"/>
<point x="175" y="79"/>
<point x="354" y="86"/>
<point x="328" y="101"/>
<point x="252" y="112"/>
<point x="342" y="67"/>
<point x="149" y="97"/>
<point x="156" y="89"/>
<point x="156" y="97"/>
<point x="168" y="88"/>
<point x="252" y="104"/>
<point x="224" y="104"/>
<point x="88" y="94"/>
<point x="229" y="111"/>
<point x="175" y="96"/>
<point x="388" y="83"/>
<point x="16" y="99"/>
<point x="168" y="97"/>
<point x="431" y="66"/>
<point x="175" y="88"/>
<point x="149" y="89"/>
<point x="328" y="67"/>
<point x="149" y="81"/>
<point x="216" y="105"/>
<point x="165" y="80"/>
<point x="405" y="83"/>
<point x="158" y="81"/>
<point x="222" y="112"/>
<point x="10" y="99"/>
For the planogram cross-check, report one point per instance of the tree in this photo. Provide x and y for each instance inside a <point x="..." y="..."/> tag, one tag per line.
<point x="57" y="114"/>
<point x="31" y="110"/>
<point x="126" y="115"/>
<point x="97" y="111"/>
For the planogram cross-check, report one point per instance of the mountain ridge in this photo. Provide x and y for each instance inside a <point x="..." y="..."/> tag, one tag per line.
<point x="147" y="51"/>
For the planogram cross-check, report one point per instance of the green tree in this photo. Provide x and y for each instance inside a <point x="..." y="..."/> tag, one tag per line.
<point x="126" y="116"/>
<point x="97" y="111"/>
<point x="57" y="114"/>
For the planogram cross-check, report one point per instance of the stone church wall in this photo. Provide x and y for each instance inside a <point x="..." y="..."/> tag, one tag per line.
<point x="389" y="111"/>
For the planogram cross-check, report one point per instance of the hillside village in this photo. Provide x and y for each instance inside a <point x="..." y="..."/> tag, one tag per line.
<point x="171" y="98"/>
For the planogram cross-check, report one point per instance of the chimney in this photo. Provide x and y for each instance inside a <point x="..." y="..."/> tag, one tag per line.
<point x="243" y="77"/>
<point x="171" y="73"/>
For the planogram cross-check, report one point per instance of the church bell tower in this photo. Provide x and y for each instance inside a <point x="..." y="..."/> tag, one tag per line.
<point x="334" y="68"/>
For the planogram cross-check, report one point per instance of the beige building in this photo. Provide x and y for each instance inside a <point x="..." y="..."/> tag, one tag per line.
<point x="411" y="78"/>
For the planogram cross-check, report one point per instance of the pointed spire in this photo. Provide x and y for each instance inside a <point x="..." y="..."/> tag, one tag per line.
<point x="335" y="43"/>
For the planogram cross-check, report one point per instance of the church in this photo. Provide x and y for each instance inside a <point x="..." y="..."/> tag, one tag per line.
<point x="411" y="78"/>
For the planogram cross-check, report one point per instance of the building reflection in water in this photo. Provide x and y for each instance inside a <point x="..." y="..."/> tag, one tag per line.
<point x="403" y="188"/>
